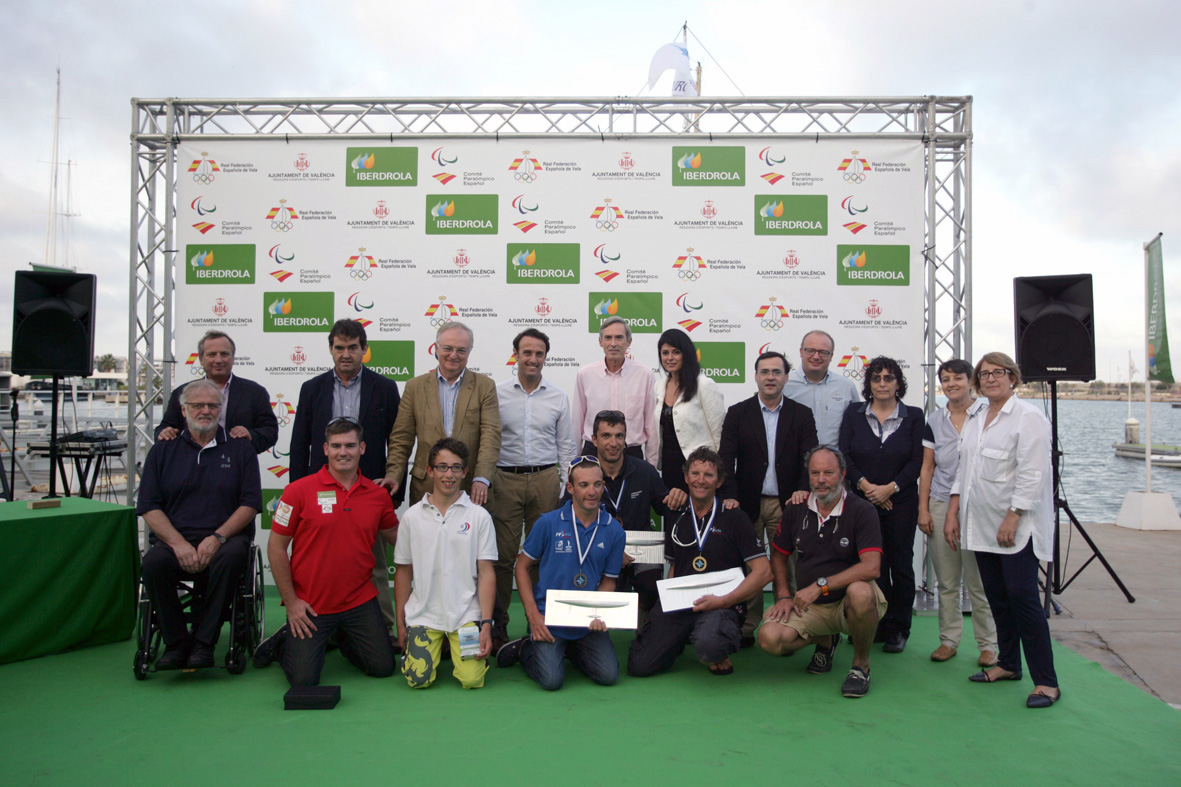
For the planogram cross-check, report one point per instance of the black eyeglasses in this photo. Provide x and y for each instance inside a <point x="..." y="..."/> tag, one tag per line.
<point x="457" y="469"/>
<point x="821" y="353"/>
<point x="883" y="378"/>
<point x="998" y="374"/>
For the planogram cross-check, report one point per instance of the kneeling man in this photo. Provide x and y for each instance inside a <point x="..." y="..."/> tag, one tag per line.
<point x="705" y="537"/>
<point x="577" y="547"/>
<point x="445" y="583"/>
<point x="330" y="520"/>
<point x="838" y="546"/>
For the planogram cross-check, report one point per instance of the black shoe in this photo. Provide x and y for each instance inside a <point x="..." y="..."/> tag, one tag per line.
<point x="270" y="649"/>
<point x="394" y="644"/>
<point x="201" y="656"/>
<point x="822" y="658"/>
<point x="856" y="684"/>
<point x="747" y="641"/>
<point x="174" y="658"/>
<point x="895" y="643"/>
<point x="510" y="653"/>
<point x="1039" y="700"/>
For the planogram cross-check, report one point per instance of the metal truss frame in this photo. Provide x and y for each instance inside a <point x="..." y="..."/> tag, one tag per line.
<point x="942" y="123"/>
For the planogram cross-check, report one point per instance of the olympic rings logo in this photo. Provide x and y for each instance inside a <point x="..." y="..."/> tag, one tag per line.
<point x="203" y="179"/>
<point x="772" y="325"/>
<point x="689" y="275"/>
<point x="524" y="177"/>
<point x="606" y="226"/>
<point x="856" y="374"/>
<point x="361" y="275"/>
<point x="854" y="177"/>
<point x="283" y="420"/>
<point x="281" y="226"/>
<point x="437" y="321"/>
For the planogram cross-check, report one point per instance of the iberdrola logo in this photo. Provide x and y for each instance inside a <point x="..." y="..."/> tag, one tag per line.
<point x="220" y="263"/>
<point x="297" y="312"/>
<point x="542" y="263"/>
<point x="381" y="166"/>
<point x="709" y="166"/>
<point x="641" y="310"/>
<point x="280" y="306"/>
<point x="461" y="214"/>
<point x="791" y="214"/>
<point x="772" y="210"/>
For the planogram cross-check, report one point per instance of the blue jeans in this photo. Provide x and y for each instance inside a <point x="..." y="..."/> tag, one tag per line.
<point x="364" y="641"/>
<point x="593" y="654"/>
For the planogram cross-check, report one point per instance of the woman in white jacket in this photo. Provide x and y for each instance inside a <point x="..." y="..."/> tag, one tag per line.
<point x="690" y="405"/>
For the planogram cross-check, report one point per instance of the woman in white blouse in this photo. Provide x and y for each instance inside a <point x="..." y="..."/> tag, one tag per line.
<point x="1003" y="497"/>
<point x="690" y="405"/>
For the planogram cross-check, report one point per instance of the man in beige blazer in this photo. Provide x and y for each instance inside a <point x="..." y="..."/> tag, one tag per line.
<point x="448" y="401"/>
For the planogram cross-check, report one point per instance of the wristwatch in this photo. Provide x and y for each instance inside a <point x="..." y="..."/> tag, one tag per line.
<point x="1017" y="511"/>
<point x="489" y="621"/>
<point x="822" y="583"/>
<point x="220" y="538"/>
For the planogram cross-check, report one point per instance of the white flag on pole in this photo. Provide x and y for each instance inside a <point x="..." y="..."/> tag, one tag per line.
<point x="673" y="57"/>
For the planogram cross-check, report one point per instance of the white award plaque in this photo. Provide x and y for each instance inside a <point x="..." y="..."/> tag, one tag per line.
<point x="578" y="608"/>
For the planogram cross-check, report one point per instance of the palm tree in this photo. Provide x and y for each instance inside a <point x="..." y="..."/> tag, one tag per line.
<point x="106" y="363"/>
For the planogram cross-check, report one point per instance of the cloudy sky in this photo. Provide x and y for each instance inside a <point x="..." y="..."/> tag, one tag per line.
<point x="1075" y="112"/>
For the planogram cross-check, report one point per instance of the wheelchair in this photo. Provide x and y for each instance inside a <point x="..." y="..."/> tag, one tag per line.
<point x="246" y="613"/>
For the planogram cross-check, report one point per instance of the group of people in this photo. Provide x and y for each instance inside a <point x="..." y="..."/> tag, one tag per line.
<point x="811" y="484"/>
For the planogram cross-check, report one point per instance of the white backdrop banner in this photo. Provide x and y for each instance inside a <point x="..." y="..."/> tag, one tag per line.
<point x="745" y="246"/>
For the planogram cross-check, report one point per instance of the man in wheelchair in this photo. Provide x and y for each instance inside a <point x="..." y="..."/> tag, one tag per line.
<point x="199" y="494"/>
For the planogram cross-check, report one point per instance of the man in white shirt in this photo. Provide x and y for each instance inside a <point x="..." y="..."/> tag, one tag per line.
<point x="825" y="393"/>
<point x="444" y="585"/>
<point x="536" y="446"/>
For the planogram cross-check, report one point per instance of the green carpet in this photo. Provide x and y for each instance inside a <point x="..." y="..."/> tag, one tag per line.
<point x="82" y="717"/>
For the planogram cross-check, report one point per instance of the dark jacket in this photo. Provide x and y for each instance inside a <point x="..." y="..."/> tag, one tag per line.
<point x="379" y="409"/>
<point x="744" y="451"/>
<point x="898" y="459"/>
<point x="249" y="406"/>
<point x="643" y="491"/>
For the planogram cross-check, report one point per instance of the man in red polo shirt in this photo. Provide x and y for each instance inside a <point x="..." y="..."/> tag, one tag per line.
<point x="330" y="520"/>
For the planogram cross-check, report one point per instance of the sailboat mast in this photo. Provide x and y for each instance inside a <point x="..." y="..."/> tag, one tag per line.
<point x="51" y="224"/>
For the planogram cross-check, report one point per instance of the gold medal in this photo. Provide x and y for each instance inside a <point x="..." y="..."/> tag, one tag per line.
<point x="699" y="563"/>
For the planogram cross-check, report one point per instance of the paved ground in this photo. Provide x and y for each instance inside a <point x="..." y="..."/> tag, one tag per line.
<point x="1139" y="641"/>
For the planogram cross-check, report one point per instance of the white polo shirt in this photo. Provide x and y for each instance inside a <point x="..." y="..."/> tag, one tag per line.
<point x="443" y="550"/>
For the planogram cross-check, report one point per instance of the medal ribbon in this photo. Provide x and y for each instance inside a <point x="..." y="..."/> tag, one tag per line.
<point x="618" y="498"/>
<point x="703" y="534"/>
<point x="581" y="554"/>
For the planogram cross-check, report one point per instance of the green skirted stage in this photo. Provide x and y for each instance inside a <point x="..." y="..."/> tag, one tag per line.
<point x="81" y="717"/>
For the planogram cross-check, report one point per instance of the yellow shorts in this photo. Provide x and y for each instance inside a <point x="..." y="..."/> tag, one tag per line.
<point x="424" y="651"/>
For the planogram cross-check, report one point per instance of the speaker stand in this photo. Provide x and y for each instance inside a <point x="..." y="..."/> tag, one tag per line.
<point x="53" y="456"/>
<point x="1055" y="584"/>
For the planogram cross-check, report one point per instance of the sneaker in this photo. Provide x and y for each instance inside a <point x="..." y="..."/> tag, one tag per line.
<point x="510" y="653"/>
<point x="201" y="656"/>
<point x="822" y="658"/>
<point x="856" y="684"/>
<point x="271" y="648"/>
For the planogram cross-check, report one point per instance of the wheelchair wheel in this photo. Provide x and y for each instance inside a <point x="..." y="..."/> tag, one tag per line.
<point x="235" y="660"/>
<point x="142" y="662"/>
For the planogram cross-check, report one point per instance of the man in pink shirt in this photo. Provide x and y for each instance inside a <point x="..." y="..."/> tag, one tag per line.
<point x="620" y="384"/>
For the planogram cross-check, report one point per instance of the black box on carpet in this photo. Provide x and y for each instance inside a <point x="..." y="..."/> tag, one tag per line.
<point x="311" y="698"/>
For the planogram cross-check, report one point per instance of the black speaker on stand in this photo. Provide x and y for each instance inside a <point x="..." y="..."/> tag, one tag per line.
<point x="53" y="334"/>
<point x="1054" y="333"/>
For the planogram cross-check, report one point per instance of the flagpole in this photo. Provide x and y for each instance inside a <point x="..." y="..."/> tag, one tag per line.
<point x="1147" y="379"/>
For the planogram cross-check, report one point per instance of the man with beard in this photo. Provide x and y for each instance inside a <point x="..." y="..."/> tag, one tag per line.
<point x="838" y="546"/>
